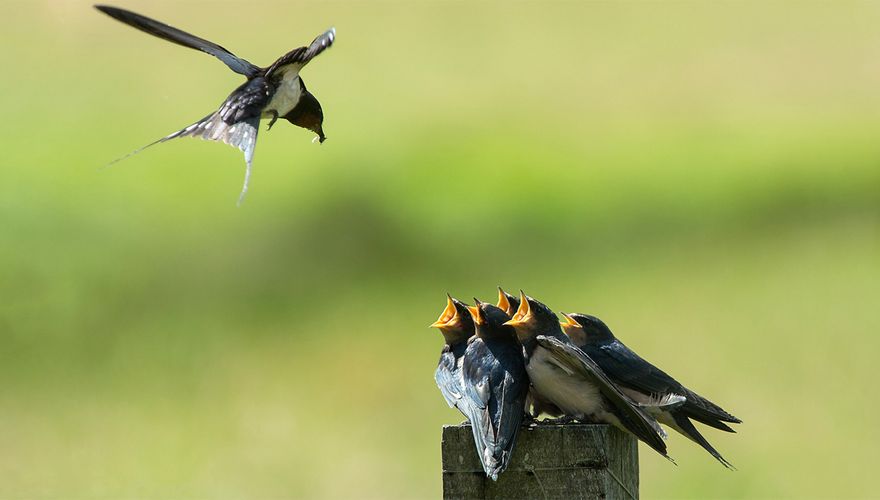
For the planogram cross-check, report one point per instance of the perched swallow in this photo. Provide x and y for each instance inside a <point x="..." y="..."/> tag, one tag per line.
<point x="536" y="405"/>
<point x="276" y="91"/>
<point x="457" y="327"/>
<point x="496" y="384"/>
<point x="642" y="381"/>
<point x="564" y="375"/>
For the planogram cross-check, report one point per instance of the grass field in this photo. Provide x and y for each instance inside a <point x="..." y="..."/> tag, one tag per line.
<point x="703" y="176"/>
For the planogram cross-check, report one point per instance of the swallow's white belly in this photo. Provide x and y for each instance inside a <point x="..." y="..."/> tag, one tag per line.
<point x="286" y="95"/>
<point x="570" y="392"/>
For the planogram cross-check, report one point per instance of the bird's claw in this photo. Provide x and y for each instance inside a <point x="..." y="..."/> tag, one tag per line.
<point x="272" y="121"/>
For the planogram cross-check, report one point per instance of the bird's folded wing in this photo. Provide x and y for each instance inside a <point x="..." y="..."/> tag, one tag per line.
<point x="635" y="419"/>
<point x="475" y="381"/>
<point x="707" y="412"/>
<point x="449" y="382"/>
<point x="179" y="37"/>
<point x="631" y="370"/>
<point x="512" y="395"/>
<point x="477" y="391"/>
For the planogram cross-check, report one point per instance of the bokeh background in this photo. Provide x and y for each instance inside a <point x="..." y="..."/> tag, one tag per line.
<point x="705" y="176"/>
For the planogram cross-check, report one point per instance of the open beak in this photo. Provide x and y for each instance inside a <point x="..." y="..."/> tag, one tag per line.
<point x="449" y="314"/>
<point x="523" y="314"/>
<point x="569" y="322"/>
<point x="503" y="303"/>
<point x="476" y="314"/>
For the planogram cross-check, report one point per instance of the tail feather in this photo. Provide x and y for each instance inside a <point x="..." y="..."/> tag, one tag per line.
<point x="242" y="135"/>
<point x="168" y="137"/>
<point x="717" y="424"/>
<point x="702" y="410"/>
<point x="686" y="427"/>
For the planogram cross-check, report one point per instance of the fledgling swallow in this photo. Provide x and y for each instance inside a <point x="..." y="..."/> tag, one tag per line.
<point x="536" y="405"/>
<point x="641" y="380"/>
<point x="496" y="384"/>
<point x="457" y="327"/>
<point x="276" y="91"/>
<point x="564" y="375"/>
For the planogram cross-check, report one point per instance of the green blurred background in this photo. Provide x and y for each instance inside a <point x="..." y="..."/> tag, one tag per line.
<point x="704" y="176"/>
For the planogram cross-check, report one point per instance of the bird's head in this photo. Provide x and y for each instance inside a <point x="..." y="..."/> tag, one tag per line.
<point x="533" y="318"/>
<point x="308" y="114"/>
<point x="489" y="321"/>
<point x="454" y="322"/>
<point x="583" y="328"/>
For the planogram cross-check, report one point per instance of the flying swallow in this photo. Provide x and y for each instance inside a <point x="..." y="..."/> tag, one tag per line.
<point x="564" y="375"/>
<point x="457" y="327"/>
<point x="641" y="380"/>
<point x="536" y="405"/>
<point x="276" y="91"/>
<point x="496" y="384"/>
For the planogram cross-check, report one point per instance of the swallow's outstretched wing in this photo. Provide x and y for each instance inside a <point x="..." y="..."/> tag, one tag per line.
<point x="634" y="418"/>
<point x="179" y="37"/>
<point x="301" y="56"/>
<point x="236" y="123"/>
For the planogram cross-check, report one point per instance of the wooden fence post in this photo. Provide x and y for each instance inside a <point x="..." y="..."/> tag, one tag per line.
<point x="552" y="461"/>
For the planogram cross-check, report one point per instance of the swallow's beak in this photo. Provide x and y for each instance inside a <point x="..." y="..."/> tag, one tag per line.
<point x="503" y="303"/>
<point x="476" y="314"/>
<point x="569" y="322"/>
<point x="448" y="316"/>
<point x="523" y="314"/>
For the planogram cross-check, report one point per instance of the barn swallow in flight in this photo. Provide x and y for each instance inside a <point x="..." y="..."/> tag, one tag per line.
<point x="496" y="384"/>
<point x="457" y="327"/>
<point x="640" y="380"/>
<point x="276" y="91"/>
<point x="564" y="375"/>
<point x="536" y="405"/>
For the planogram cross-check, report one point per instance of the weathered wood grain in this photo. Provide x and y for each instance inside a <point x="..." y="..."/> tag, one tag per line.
<point x="553" y="461"/>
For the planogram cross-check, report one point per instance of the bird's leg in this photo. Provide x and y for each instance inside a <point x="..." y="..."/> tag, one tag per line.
<point x="274" y="119"/>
